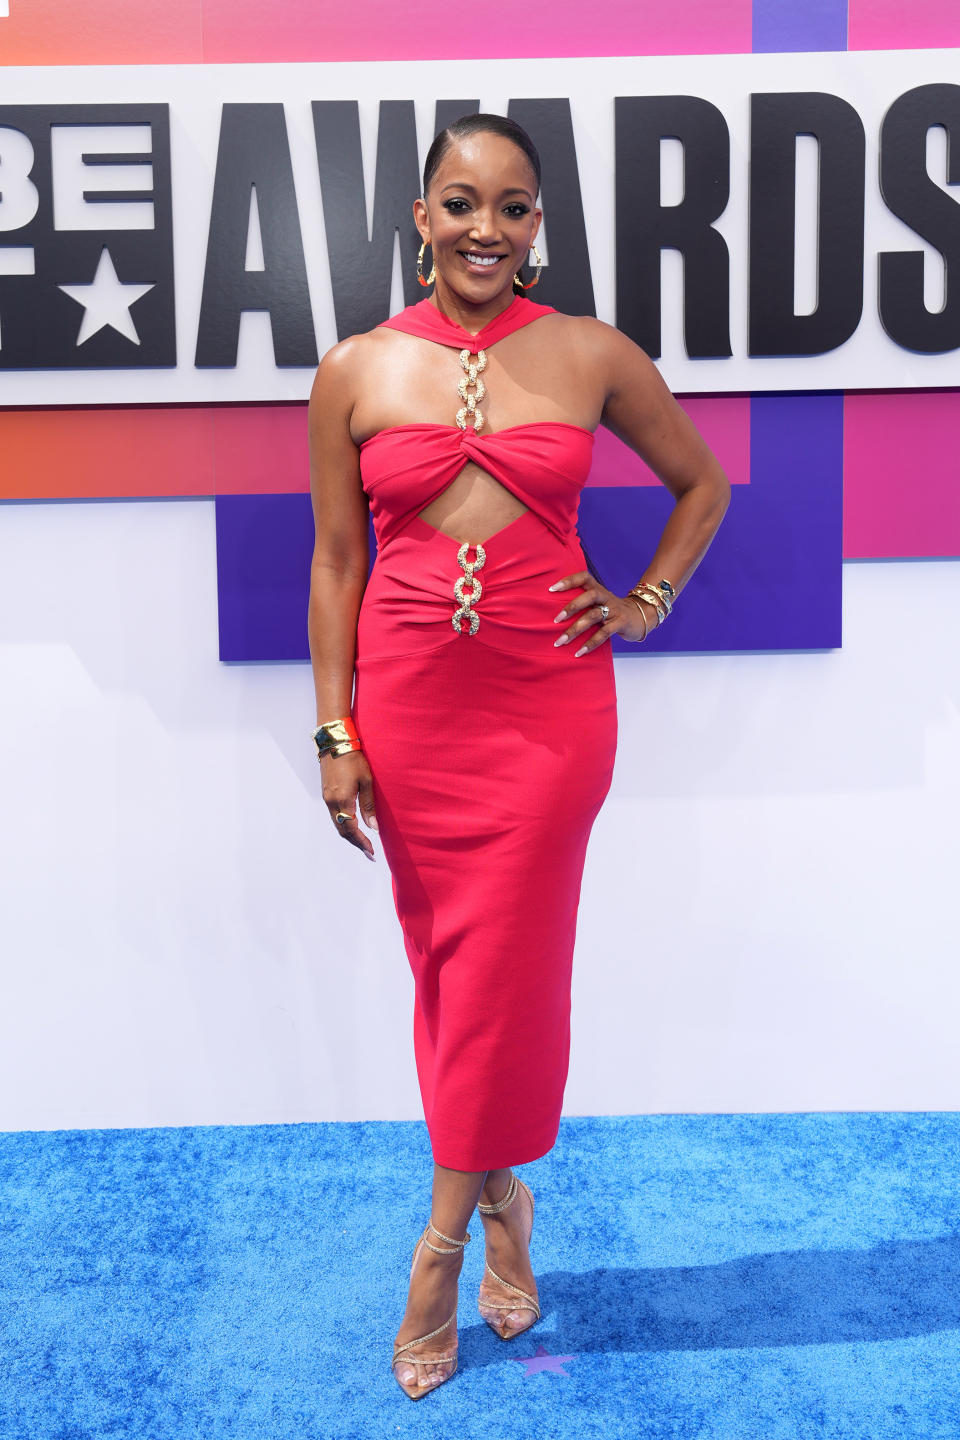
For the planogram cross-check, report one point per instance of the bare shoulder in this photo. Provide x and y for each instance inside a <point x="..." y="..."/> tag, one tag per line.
<point x="596" y="338"/>
<point x="343" y="375"/>
<point x="602" y="351"/>
<point x="342" y="363"/>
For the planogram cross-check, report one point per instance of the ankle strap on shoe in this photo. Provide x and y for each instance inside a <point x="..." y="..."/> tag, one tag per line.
<point x="501" y="1204"/>
<point x="457" y="1244"/>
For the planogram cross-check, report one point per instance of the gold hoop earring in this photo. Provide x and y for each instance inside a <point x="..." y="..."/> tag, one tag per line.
<point x="536" y="279"/>
<point x="428" y="279"/>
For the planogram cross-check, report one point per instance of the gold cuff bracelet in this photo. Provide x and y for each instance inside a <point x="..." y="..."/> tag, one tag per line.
<point x="336" y="737"/>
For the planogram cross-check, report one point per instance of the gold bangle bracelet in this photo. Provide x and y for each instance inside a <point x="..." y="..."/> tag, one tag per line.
<point x="636" y="599"/>
<point x="654" y="590"/>
<point x="646" y="624"/>
<point x="667" y="604"/>
<point x="651" y="597"/>
<point x="661" y="589"/>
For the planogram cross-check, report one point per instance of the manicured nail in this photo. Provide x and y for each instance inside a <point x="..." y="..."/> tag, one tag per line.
<point x="370" y="857"/>
<point x="562" y="641"/>
<point x="556" y="585"/>
<point x="373" y="824"/>
<point x="581" y="651"/>
<point x="561" y="616"/>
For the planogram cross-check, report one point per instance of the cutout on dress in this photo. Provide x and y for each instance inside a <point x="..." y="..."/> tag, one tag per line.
<point x="487" y="477"/>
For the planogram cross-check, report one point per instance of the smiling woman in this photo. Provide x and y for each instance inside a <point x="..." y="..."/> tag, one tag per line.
<point x="474" y="737"/>
<point x="458" y="198"/>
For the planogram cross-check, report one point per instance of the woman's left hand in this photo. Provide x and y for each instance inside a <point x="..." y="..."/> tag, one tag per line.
<point x="624" y="617"/>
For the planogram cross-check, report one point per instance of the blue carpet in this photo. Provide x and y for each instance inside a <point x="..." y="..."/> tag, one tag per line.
<point x="713" y="1278"/>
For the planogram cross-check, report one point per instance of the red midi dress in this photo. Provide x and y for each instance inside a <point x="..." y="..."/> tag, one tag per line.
<point x="491" y="752"/>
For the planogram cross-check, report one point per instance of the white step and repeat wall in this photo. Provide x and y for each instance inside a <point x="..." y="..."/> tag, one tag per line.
<point x="768" y="918"/>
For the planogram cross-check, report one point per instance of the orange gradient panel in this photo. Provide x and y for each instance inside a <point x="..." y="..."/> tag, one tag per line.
<point x="251" y="450"/>
<point x="102" y="32"/>
<point x="105" y="454"/>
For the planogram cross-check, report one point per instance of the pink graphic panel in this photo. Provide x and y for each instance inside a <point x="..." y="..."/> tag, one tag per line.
<point x="260" y="449"/>
<point x="901" y="474"/>
<point x="724" y="423"/>
<point x="238" y="30"/>
<point x="903" y="24"/>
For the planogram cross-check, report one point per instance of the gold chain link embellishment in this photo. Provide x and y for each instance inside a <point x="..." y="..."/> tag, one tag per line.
<point x="476" y="589"/>
<point x="469" y="411"/>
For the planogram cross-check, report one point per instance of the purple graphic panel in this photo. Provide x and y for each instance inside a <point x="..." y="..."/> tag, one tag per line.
<point x="264" y="547"/>
<point x="264" y="544"/>
<point x="780" y="25"/>
<point x="770" y="581"/>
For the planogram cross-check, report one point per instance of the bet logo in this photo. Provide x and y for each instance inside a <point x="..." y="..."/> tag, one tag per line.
<point x="86" y="242"/>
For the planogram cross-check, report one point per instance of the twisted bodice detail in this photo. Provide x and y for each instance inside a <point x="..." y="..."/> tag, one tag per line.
<point x="544" y="464"/>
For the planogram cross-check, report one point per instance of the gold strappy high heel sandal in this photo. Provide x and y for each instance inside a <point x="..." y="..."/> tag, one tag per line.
<point x="494" y="1301"/>
<point x="417" y="1391"/>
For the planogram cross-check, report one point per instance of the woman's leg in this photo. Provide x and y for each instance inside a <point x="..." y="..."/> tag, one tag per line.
<point x="495" y="1186"/>
<point x="433" y="1288"/>
<point x="507" y="1250"/>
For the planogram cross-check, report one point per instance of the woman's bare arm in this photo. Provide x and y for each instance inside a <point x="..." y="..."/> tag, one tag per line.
<point x="338" y="576"/>
<point x="640" y="410"/>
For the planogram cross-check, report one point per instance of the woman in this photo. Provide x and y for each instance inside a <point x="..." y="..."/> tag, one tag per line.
<point x="475" y="724"/>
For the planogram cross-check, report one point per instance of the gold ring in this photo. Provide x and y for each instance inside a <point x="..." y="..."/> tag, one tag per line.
<point x="342" y="817"/>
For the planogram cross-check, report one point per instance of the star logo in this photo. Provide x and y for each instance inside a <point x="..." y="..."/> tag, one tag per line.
<point x="543" y="1360"/>
<point x="106" y="301"/>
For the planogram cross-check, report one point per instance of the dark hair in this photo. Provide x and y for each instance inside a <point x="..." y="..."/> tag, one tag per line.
<point x="479" y="124"/>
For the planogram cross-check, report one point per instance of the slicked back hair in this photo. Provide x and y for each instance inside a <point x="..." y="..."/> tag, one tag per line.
<point x="475" y="125"/>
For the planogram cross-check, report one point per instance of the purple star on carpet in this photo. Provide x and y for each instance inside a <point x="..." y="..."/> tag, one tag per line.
<point x="543" y="1360"/>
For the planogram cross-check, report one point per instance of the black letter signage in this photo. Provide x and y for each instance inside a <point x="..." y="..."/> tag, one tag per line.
<point x="566" y="283"/>
<point x="912" y="196"/>
<point x="254" y="156"/>
<point x="361" y="269"/>
<point x="644" y="227"/>
<point x="776" y="121"/>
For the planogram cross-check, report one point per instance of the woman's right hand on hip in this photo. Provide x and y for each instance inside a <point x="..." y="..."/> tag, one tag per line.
<point x="347" y="779"/>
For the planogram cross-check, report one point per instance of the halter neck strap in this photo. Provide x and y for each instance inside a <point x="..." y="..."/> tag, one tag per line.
<point x="428" y="323"/>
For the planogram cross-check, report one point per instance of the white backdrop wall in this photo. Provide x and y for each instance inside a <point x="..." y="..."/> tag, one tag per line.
<point x="768" y="918"/>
